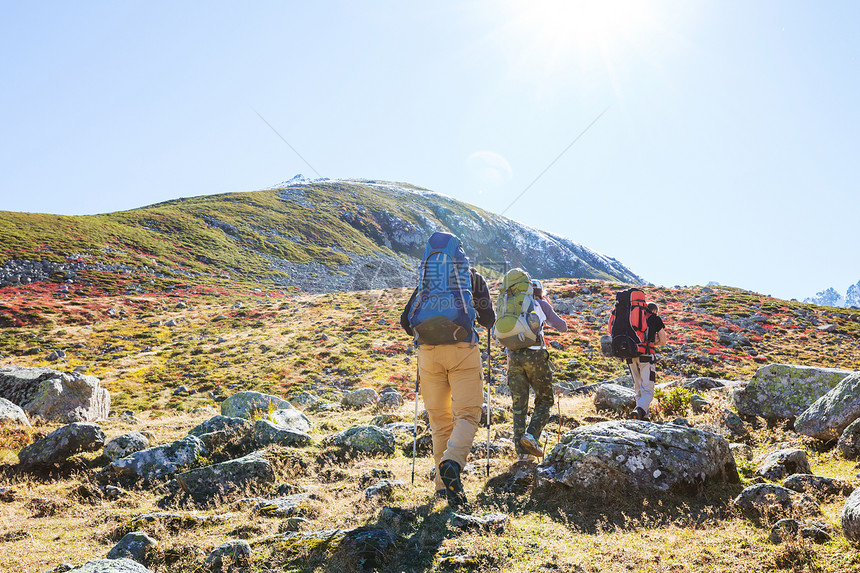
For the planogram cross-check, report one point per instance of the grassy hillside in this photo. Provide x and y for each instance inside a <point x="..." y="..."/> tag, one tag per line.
<point x="269" y="235"/>
<point x="217" y="341"/>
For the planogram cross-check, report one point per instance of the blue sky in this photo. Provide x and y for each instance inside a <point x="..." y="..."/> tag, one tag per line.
<point x="728" y="150"/>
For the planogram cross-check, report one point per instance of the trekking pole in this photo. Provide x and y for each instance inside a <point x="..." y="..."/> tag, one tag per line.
<point x="489" y="403"/>
<point x="415" y="421"/>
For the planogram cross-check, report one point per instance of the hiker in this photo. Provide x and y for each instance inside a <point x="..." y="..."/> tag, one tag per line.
<point x="440" y="315"/>
<point x="643" y="367"/>
<point x="531" y="368"/>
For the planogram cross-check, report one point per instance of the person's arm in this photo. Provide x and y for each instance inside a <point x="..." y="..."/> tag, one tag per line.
<point x="404" y="316"/>
<point x="660" y="338"/>
<point x="552" y="319"/>
<point x="482" y="301"/>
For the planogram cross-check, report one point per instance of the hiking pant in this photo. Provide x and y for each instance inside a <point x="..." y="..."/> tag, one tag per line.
<point x="644" y="376"/>
<point x="529" y="369"/>
<point x="451" y="386"/>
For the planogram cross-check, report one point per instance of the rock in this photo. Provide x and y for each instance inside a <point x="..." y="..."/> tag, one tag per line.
<point x="210" y="484"/>
<point x="291" y="419"/>
<point x="614" y="398"/>
<point x="790" y="529"/>
<point x="849" y="441"/>
<point x="851" y="517"/>
<point x="766" y="501"/>
<point x="828" y="416"/>
<point x="226" y="555"/>
<point x="373" y="547"/>
<point x="817" y="486"/>
<point x="733" y="423"/>
<point x="781" y="463"/>
<point x="702" y="384"/>
<point x="62" y="443"/>
<point x="284" y="507"/>
<point x="177" y="521"/>
<point x="293" y="524"/>
<point x="498" y="448"/>
<point x="125" y="445"/>
<point x="370" y="440"/>
<point x="374" y="476"/>
<point x="249" y="404"/>
<point x="785" y="391"/>
<point x="237" y="426"/>
<point x="53" y="395"/>
<point x="491" y="523"/>
<point x="133" y="545"/>
<point x="304" y="399"/>
<point x="616" y="456"/>
<point x="360" y="398"/>
<point x="400" y="427"/>
<point x="267" y="433"/>
<point x="12" y="414"/>
<point x="122" y="565"/>
<point x="397" y="516"/>
<point x="391" y="400"/>
<point x="159" y="462"/>
<point x="699" y="403"/>
<point x="383" y="488"/>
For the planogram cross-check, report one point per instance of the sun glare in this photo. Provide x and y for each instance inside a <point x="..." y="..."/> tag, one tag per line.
<point x="581" y="29"/>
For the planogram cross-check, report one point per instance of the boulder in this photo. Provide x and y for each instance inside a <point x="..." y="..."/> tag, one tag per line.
<point x="250" y="404"/>
<point x="369" y="440"/>
<point x="767" y="501"/>
<point x="616" y="456"/>
<point x="851" y="517"/>
<point x="733" y="423"/>
<point x="391" y="400"/>
<point x="360" y="398"/>
<point x="177" y="521"/>
<point x="828" y="416"/>
<point x="284" y="507"/>
<point x="817" y="486"/>
<point x="122" y="565"/>
<point x="210" y="484"/>
<point x="790" y="529"/>
<point x="784" y="390"/>
<point x="781" y="463"/>
<point x="304" y="399"/>
<point x="291" y="419"/>
<point x="54" y="396"/>
<point x="63" y="442"/>
<point x="125" y="445"/>
<point x="12" y="414"/>
<point x="490" y="523"/>
<point x="849" y="441"/>
<point x="372" y="547"/>
<point x="233" y="425"/>
<point x="383" y="489"/>
<point x="133" y="545"/>
<point x="615" y="398"/>
<point x="159" y="462"/>
<point x="229" y="554"/>
<point x="266" y="433"/>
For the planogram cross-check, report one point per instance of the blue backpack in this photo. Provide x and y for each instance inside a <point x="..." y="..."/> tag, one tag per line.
<point x="443" y="312"/>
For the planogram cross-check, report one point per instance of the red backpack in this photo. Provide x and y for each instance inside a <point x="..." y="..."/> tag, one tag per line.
<point x="628" y="325"/>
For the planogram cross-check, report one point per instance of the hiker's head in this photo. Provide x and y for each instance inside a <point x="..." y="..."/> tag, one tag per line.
<point x="652" y="308"/>
<point x="537" y="288"/>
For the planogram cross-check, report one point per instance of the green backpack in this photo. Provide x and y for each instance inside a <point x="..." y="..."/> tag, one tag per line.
<point x="517" y="323"/>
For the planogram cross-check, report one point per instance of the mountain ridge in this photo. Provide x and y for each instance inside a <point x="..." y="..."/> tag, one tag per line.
<point x="311" y="235"/>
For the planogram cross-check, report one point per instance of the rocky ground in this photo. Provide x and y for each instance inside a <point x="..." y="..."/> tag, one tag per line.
<point x="264" y="432"/>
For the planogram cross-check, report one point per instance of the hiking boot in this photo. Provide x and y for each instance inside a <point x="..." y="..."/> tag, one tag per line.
<point x="449" y="472"/>
<point x="640" y="414"/>
<point x="527" y="458"/>
<point x="530" y="445"/>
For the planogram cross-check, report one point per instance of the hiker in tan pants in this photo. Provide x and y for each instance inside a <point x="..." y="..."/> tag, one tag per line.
<point x="451" y="387"/>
